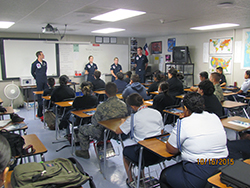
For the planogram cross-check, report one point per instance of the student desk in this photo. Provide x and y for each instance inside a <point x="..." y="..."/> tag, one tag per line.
<point x="81" y="115"/>
<point x="154" y="92"/>
<point x="119" y="96"/>
<point x="232" y="88"/>
<point x="63" y="104"/>
<point x="174" y="113"/>
<point x="37" y="145"/>
<point x="215" y="179"/>
<point x="8" y="112"/>
<point x="154" y="145"/>
<point x="233" y="104"/>
<point x="110" y="125"/>
<point x="188" y="90"/>
<point x="21" y="126"/>
<point x="45" y="98"/>
<point x="34" y="94"/>
<point x="180" y="96"/>
<point x="226" y="94"/>
<point x="147" y="84"/>
<point x="98" y="93"/>
<point x="148" y="102"/>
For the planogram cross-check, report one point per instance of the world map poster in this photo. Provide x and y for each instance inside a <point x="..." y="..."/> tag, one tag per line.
<point x="221" y="45"/>
<point x="246" y="49"/>
<point x="220" y="61"/>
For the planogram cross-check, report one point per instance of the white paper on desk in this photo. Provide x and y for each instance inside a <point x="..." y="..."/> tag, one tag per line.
<point x="240" y="123"/>
<point x="70" y="103"/>
<point x="15" y="127"/>
<point x="4" y="122"/>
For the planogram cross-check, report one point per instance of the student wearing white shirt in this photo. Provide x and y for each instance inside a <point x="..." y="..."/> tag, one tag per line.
<point x="198" y="136"/>
<point x="146" y="122"/>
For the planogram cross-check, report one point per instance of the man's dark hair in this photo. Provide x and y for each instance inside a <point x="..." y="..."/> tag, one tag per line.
<point x="194" y="102"/>
<point x="248" y="72"/>
<point x="164" y="86"/>
<point x="216" y="76"/>
<point x="38" y="53"/>
<point x="158" y="76"/>
<point x="97" y="74"/>
<point x="220" y="69"/>
<point x="207" y="86"/>
<point x="134" y="100"/>
<point x="5" y="153"/>
<point x="63" y="80"/>
<point x="135" y="78"/>
<point x="204" y="74"/>
<point x="111" y="88"/>
<point x="129" y="73"/>
<point x="120" y="75"/>
<point x="51" y="82"/>
<point x="139" y="47"/>
<point x="90" y="57"/>
<point x="173" y="72"/>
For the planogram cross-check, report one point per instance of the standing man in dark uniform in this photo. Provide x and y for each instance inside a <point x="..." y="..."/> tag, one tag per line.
<point x="141" y="63"/>
<point x="115" y="68"/>
<point x="90" y="68"/>
<point x="38" y="71"/>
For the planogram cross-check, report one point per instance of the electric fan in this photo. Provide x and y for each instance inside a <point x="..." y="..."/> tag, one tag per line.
<point x="11" y="91"/>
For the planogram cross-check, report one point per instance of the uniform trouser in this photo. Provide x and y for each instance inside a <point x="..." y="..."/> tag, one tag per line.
<point x="85" y="131"/>
<point x="142" y="76"/>
<point x="41" y="85"/>
<point x="239" y="149"/>
<point x="186" y="175"/>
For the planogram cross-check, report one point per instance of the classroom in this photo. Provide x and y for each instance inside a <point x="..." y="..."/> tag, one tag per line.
<point x="65" y="32"/>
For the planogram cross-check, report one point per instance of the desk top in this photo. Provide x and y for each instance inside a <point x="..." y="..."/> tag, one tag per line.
<point x="81" y="114"/>
<point x="225" y="94"/>
<point x="232" y="126"/>
<point x="188" y="90"/>
<point x="16" y="128"/>
<point x="156" y="146"/>
<point x="147" y="84"/>
<point x="215" y="180"/>
<point x="148" y="102"/>
<point x="111" y="124"/>
<point x="174" y="113"/>
<point x="154" y="92"/>
<point x="102" y="92"/>
<point x="119" y="96"/>
<point x="46" y="97"/>
<point x="37" y="92"/>
<point x="180" y="96"/>
<point x="64" y="103"/>
<point x="9" y="111"/>
<point x="232" y="104"/>
<point x="36" y="142"/>
<point x="229" y="88"/>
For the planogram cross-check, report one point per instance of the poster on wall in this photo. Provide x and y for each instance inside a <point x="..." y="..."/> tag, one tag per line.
<point x="220" y="61"/>
<point x="156" y="47"/>
<point x="171" y="44"/>
<point x="221" y="45"/>
<point x="246" y="49"/>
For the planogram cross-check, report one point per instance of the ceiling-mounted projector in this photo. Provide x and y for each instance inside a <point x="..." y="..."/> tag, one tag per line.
<point x="49" y="29"/>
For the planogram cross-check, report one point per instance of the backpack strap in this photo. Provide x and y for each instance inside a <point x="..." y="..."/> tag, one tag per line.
<point x="79" y="166"/>
<point x="178" y="134"/>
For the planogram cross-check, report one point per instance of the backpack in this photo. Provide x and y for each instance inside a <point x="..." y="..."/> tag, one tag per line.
<point x="56" y="173"/>
<point x="50" y="119"/>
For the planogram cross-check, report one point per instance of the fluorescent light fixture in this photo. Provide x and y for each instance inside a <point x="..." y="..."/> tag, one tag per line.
<point x="5" y="25"/>
<point x="119" y="14"/>
<point x="108" y="30"/>
<point x="216" y="26"/>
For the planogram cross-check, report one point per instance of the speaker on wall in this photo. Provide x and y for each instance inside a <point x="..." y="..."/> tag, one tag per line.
<point x="180" y="54"/>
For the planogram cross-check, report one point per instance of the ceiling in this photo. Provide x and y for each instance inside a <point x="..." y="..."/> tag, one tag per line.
<point x="178" y="15"/>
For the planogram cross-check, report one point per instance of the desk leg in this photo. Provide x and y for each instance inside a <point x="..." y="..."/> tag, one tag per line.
<point x="44" y="124"/>
<point x="72" y="135"/>
<point x="56" y="125"/>
<point x="244" y="110"/>
<point x="34" y="106"/>
<point x="105" y="150"/>
<point x="139" y="168"/>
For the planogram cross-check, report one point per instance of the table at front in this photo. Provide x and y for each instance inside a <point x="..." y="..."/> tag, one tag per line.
<point x="110" y="125"/>
<point x="155" y="145"/>
<point x="215" y="179"/>
<point x="63" y="104"/>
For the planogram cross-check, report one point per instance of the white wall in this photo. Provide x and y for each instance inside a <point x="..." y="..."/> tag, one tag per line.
<point x="195" y="43"/>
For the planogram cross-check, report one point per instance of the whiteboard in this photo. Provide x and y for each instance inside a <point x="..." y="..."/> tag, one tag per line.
<point x="19" y="54"/>
<point x="75" y="58"/>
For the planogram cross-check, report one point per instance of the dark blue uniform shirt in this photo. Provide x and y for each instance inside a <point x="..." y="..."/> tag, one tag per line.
<point x="91" y="69"/>
<point x="140" y="62"/>
<point x="116" y="68"/>
<point x="38" y="70"/>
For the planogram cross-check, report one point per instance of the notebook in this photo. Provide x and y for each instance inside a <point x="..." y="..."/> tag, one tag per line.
<point x="90" y="113"/>
<point x="163" y="138"/>
<point x="175" y="110"/>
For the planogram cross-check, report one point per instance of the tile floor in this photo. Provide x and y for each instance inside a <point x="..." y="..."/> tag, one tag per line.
<point x="115" y="173"/>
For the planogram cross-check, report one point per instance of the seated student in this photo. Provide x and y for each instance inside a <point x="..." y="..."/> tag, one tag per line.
<point x="84" y="102"/>
<point x="128" y="76"/>
<point x="51" y="84"/>
<point x="203" y="76"/>
<point x="147" y="123"/>
<point x="163" y="99"/>
<point x="5" y="156"/>
<point x="121" y="85"/>
<point x="155" y="84"/>
<point x="98" y="84"/>
<point x="200" y="136"/>
<point x="63" y="91"/>
<point x="135" y="87"/>
<point x="175" y="85"/>
<point x="212" y="104"/>
<point x="109" y="109"/>
<point x="215" y="79"/>
<point x="246" y="84"/>
<point x="223" y="80"/>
